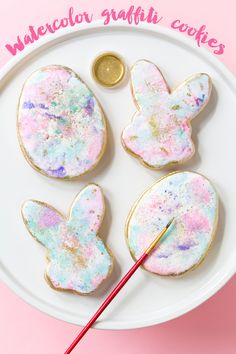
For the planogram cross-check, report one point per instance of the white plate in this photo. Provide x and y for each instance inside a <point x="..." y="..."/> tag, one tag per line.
<point x="146" y="299"/>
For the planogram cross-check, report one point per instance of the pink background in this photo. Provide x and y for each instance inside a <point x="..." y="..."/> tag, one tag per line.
<point x="208" y="329"/>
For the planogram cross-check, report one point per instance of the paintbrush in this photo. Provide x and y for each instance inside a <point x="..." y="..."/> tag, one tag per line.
<point x="119" y="286"/>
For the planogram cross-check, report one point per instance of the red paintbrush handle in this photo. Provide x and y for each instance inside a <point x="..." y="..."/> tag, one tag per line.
<point x="110" y="297"/>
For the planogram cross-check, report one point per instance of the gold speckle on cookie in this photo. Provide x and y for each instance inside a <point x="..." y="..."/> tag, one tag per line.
<point x="154" y="126"/>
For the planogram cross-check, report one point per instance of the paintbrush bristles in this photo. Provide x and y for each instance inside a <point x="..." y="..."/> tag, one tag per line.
<point x="158" y="237"/>
<point x="169" y="223"/>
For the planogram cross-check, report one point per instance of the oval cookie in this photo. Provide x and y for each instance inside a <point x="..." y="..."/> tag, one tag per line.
<point x="61" y="126"/>
<point x="78" y="259"/>
<point x="160" y="132"/>
<point x="192" y="200"/>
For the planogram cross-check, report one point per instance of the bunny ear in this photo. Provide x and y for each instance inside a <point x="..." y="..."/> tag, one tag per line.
<point x="148" y="84"/>
<point x="191" y="97"/>
<point x="88" y="210"/>
<point x="43" y="222"/>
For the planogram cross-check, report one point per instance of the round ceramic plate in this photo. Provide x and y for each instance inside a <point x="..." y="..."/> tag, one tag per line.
<point x="146" y="299"/>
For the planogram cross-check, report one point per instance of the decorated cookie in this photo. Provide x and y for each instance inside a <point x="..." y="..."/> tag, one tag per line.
<point x="160" y="132"/>
<point x="61" y="126"/>
<point x="192" y="200"/>
<point x="78" y="259"/>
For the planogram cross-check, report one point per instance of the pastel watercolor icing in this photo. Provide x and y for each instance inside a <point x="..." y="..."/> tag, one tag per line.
<point x="160" y="132"/>
<point x="61" y="126"/>
<point x="193" y="202"/>
<point x="78" y="258"/>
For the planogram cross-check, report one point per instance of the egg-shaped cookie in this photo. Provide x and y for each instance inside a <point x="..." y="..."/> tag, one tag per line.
<point x="61" y="125"/>
<point x="192" y="201"/>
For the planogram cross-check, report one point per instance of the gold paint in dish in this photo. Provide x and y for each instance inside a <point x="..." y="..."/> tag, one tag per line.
<point x="108" y="69"/>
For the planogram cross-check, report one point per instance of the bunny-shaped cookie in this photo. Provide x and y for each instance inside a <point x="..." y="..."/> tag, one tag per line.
<point x="78" y="259"/>
<point x="160" y="132"/>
